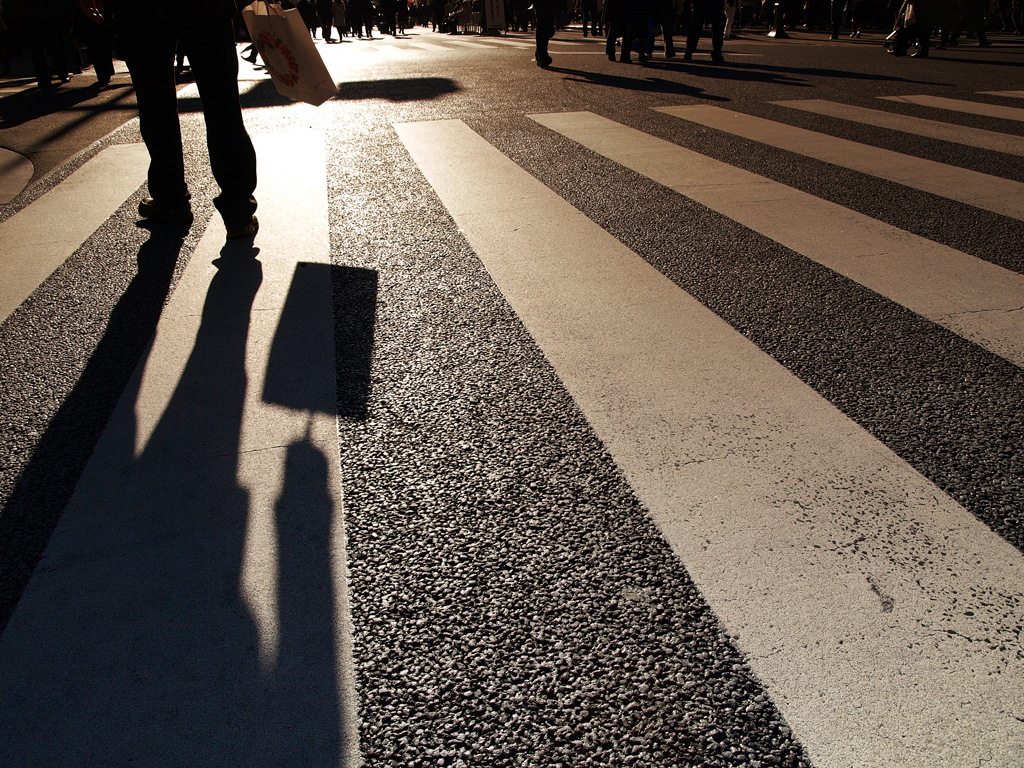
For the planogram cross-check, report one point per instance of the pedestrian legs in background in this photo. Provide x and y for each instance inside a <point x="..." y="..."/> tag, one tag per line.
<point x="339" y="14"/>
<point x="97" y="30"/>
<point x="545" y="30"/>
<point x="837" y="17"/>
<point x="44" y="34"/>
<point x="325" y="15"/>
<point x="707" y="10"/>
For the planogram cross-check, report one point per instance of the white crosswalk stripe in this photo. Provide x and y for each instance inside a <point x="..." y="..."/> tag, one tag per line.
<point x="958" y="105"/>
<point x="635" y="351"/>
<point x="467" y="44"/>
<point x="923" y="276"/>
<point x="38" y="239"/>
<point x="173" y="430"/>
<point x="934" y="129"/>
<point x="429" y="46"/>
<point x="981" y="190"/>
<point x="795" y="522"/>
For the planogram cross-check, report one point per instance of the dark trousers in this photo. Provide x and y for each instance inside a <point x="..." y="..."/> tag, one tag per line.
<point x="707" y="10"/>
<point x="591" y="18"/>
<point x="666" y="31"/>
<point x="43" y="40"/>
<point x="906" y="35"/>
<point x="99" y="42"/>
<point x="545" y="31"/>
<point x="619" y="28"/>
<point x="210" y="46"/>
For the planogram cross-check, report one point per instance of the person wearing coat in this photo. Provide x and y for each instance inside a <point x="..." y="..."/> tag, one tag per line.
<point x="340" y="14"/>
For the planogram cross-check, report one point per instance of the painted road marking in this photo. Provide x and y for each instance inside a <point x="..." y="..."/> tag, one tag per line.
<point x="513" y="43"/>
<point x="841" y="571"/>
<point x="468" y="44"/>
<point x="992" y="193"/>
<point x="430" y="47"/>
<point x="933" y="129"/>
<point x="197" y="575"/>
<point x="40" y="237"/>
<point x="958" y="105"/>
<point x="390" y="50"/>
<point x="967" y="295"/>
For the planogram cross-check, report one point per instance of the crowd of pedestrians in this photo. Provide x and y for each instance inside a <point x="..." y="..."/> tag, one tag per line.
<point x="54" y="33"/>
<point x="63" y="37"/>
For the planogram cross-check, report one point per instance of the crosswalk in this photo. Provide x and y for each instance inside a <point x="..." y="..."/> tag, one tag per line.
<point x="870" y="581"/>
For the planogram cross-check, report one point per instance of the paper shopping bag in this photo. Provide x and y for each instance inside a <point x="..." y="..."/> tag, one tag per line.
<point x="288" y="53"/>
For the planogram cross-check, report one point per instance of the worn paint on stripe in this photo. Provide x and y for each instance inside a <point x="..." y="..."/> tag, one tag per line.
<point x="40" y="237"/>
<point x="859" y="593"/>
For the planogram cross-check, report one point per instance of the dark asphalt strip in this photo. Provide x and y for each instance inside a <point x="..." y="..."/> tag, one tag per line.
<point x="949" y="408"/>
<point x="512" y="603"/>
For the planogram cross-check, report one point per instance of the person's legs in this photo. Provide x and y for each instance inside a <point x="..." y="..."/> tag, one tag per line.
<point x="613" y="34"/>
<point x="150" y="58"/>
<point x="545" y="31"/>
<point x="700" y="9"/>
<point x="717" y="13"/>
<point x="211" y="50"/>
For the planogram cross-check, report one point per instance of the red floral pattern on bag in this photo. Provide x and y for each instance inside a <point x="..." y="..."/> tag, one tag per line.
<point x="281" y="58"/>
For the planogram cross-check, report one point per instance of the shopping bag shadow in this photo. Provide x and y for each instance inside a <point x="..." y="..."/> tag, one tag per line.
<point x="298" y="348"/>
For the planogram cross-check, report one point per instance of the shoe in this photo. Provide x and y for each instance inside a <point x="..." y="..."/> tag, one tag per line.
<point x="986" y="44"/>
<point x="611" y="57"/>
<point x="718" y="58"/>
<point x="670" y="55"/>
<point x="177" y="214"/>
<point x="687" y="56"/>
<point x="249" y="229"/>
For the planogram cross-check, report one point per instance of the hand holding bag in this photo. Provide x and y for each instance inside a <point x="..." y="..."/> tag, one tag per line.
<point x="288" y="53"/>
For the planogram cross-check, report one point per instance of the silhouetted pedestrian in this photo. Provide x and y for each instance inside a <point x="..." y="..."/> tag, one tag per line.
<point x="707" y="10"/>
<point x="149" y="32"/>
<point x="44" y="20"/>
<point x="546" y="10"/>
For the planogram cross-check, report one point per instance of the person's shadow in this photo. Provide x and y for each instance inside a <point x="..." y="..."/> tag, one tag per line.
<point x="145" y="646"/>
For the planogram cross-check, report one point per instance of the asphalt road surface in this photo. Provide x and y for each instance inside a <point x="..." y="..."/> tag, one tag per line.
<point x="620" y="415"/>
